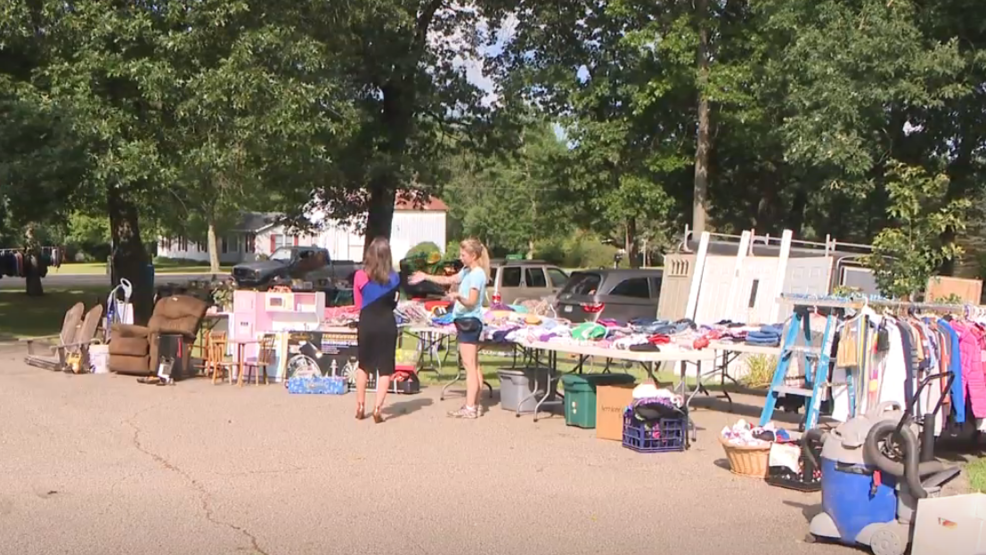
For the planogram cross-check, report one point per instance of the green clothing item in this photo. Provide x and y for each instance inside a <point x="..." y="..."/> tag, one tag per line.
<point x="589" y="331"/>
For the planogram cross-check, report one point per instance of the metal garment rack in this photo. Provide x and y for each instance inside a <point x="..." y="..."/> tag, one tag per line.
<point x="817" y="361"/>
<point x="856" y="303"/>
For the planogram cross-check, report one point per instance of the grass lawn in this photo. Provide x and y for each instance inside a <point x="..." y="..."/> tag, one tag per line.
<point x="23" y="316"/>
<point x="977" y="474"/>
<point x="492" y="363"/>
<point x="99" y="268"/>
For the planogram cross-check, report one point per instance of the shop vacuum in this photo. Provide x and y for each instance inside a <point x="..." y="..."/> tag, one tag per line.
<point x="872" y="478"/>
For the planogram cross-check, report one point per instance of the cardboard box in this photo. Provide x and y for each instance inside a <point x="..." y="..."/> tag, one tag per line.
<point x="611" y="401"/>
<point x="952" y="525"/>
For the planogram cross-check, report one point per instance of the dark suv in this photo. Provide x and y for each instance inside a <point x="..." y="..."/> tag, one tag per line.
<point x="610" y="293"/>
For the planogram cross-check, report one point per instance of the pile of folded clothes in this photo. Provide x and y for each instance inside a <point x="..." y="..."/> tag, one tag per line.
<point x="766" y="336"/>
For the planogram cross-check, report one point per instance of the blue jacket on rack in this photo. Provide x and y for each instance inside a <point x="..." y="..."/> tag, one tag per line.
<point x="955" y="367"/>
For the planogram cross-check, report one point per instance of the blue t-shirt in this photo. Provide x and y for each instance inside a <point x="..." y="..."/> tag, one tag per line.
<point x="469" y="280"/>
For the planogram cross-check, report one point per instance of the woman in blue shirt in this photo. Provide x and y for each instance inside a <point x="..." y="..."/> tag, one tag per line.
<point x="375" y="290"/>
<point x="468" y="314"/>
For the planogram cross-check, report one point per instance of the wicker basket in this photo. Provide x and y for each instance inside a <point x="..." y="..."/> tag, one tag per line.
<point x="747" y="460"/>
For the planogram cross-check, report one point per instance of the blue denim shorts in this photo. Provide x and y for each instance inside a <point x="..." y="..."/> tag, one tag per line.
<point x="470" y="337"/>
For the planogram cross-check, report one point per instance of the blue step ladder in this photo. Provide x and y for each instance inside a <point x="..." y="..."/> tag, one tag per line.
<point x="815" y="361"/>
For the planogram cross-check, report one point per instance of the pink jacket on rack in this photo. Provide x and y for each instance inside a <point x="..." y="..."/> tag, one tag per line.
<point x="971" y="343"/>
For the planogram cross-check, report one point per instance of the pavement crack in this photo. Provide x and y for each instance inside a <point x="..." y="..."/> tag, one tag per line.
<point x="205" y="498"/>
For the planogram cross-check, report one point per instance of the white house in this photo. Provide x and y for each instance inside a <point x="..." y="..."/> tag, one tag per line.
<point x="258" y="235"/>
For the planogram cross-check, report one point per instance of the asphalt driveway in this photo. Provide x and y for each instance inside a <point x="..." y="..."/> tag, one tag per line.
<point x="102" y="465"/>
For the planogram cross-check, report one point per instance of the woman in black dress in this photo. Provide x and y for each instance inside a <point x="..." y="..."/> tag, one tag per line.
<point x="375" y="289"/>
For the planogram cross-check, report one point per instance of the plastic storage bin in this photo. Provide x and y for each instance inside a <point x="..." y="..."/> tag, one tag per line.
<point x="580" y="396"/>
<point x="516" y="386"/>
<point x="667" y="435"/>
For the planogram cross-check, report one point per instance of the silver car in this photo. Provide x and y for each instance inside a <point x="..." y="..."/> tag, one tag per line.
<point x="615" y="294"/>
<point x="524" y="280"/>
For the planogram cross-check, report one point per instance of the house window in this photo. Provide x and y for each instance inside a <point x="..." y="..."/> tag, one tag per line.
<point x="183" y="244"/>
<point x="280" y="240"/>
<point x="250" y="244"/>
<point x="230" y="244"/>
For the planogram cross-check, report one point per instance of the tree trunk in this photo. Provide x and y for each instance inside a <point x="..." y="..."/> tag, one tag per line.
<point x="130" y="260"/>
<point x="630" y="245"/>
<point x="213" y="245"/>
<point x="32" y="277"/>
<point x="700" y="203"/>
<point x="398" y="109"/>
<point x="380" y="213"/>
<point x="32" y="265"/>
<point x="796" y="218"/>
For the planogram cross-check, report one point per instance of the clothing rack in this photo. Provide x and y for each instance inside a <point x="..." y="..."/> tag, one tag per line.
<point x="859" y="379"/>
<point x="862" y="302"/>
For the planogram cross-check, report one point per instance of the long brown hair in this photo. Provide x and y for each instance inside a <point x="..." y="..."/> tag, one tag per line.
<point x="477" y="249"/>
<point x="377" y="261"/>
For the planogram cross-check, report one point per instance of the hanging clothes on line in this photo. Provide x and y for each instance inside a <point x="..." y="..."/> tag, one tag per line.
<point x="13" y="263"/>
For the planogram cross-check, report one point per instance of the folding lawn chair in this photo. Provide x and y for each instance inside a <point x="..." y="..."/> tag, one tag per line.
<point x="72" y="352"/>
<point x="70" y="327"/>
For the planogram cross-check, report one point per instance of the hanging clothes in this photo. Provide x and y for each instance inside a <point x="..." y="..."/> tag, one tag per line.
<point x="910" y="367"/>
<point x="957" y="394"/>
<point x="972" y="367"/>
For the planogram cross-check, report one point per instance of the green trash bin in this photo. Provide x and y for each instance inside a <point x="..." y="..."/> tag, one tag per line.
<point x="580" y="395"/>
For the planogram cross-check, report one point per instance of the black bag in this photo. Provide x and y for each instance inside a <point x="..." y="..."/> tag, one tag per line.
<point x="468" y="325"/>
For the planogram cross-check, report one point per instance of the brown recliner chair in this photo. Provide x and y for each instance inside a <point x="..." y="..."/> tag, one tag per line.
<point x="134" y="349"/>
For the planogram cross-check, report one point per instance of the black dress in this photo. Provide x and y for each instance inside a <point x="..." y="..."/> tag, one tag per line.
<point x="377" y="329"/>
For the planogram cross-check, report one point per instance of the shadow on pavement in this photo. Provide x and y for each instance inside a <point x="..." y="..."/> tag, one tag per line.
<point x="808" y="511"/>
<point x="396" y="410"/>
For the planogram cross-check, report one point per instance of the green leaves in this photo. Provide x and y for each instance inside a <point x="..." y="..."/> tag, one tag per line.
<point x="909" y="251"/>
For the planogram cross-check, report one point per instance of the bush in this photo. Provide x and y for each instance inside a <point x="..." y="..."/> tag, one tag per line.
<point x="452" y="250"/>
<point x="578" y="251"/>
<point x="551" y="251"/>
<point x="590" y="253"/>
<point x="425" y="248"/>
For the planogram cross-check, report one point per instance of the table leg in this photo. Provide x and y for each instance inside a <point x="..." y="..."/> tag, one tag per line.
<point x="724" y="375"/>
<point x="533" y="394"/>
<point x="552" y="381"/>
<point x="239" y="363"/>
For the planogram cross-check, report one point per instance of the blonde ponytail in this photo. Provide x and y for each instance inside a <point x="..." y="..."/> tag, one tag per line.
<point x="484" y="261"/>
<point x="477" y="249"/>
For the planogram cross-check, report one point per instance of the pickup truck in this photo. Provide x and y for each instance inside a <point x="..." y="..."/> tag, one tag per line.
<point x="310" y="265"/>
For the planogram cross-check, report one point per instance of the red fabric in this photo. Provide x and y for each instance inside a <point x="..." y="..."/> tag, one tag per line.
<point x="273" y="245"/>
<point x="359" y="281"/>
<point x="296" y="240"/>
<point x="701" y="343"/>
<point x="659" y="339"/>
<point x="431" y="305"/>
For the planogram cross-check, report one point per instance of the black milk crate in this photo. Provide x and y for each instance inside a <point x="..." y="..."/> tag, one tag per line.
<point x="809" y="480"/>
